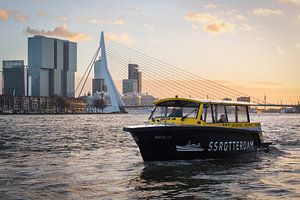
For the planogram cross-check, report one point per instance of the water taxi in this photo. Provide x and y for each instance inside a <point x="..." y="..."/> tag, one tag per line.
<point x="185" y="129"/>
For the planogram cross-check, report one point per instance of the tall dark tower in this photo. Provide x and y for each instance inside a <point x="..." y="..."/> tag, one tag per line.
<point x="135" y="74"/>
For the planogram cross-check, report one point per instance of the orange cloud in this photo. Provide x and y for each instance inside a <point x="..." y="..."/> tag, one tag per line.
<point x="60" y="31"/>
<point x="123" y="37"/>
<point x="210" y="23"/>
<point x="5" y="14"/>
<point x="265" y="12"/>
<point x="200" y="17"/>
<point x="20" y="17"/>
<point x="117" y="21"/>
<point x="219" y="27"/>
<point x="42" y="14"/>
<point x="292" y="2"/>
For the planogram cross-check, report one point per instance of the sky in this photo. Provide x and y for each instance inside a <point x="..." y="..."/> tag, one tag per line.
<point x="253" y="46"/>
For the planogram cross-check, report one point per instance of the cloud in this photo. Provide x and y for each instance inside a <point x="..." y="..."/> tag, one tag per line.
<point x="280" y="50"/>
<point x="265" y="12"/>
<point x="63" y="18"/>
<point x="20" y="17"/>
<point x="5" y="14"/>
<point x="246" y="27"/>
<point x="297" y="46"/>
<point x="210" y="23"/>
<point x="135" y="8"/>
<point x="218" y="26"/>
<point x="200" y="17"/>
<point x="42" y="14"/>
<point x="240" y="17"/>
<point x="60" y="31"/>
<point x="123" y="37"/>
<point x="117" y="21"/>
<point x="211" y="5"/>
<point x="292" y="2"/>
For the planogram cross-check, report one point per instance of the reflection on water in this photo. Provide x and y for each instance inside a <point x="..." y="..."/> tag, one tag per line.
<point x="89" y="156"/>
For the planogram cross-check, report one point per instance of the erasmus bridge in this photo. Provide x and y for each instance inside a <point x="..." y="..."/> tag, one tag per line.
<point x="160" y="79"/>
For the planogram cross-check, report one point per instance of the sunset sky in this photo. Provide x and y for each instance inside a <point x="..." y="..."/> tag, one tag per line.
<point x="253" y="46"/>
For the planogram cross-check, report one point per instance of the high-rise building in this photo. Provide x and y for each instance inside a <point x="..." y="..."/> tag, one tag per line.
<point x="129" y="84"/>
<point x="133" y="71"/>
<point x="52" y="64"/>
<point x="14" y="77"/>
<point x="98" y="85"/>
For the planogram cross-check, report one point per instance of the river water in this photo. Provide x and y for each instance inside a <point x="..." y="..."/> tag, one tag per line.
<point x="90" y="157"/>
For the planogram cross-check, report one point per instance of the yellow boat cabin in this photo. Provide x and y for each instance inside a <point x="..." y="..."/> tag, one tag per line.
<point x="183" y="111"/>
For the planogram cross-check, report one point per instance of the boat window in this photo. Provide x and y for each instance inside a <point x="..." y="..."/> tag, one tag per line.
<point x="219" y="114"/>
<point x="207" y="114"/>
<point x="159" y="112"/>
<point x="175" y="112"/>
<point x="190" y="112"/>
<point x="231" y="113"/>
<point x="242" y="114"/>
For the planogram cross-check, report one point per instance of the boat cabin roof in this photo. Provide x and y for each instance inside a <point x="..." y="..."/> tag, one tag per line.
<point x="185" y="102"/>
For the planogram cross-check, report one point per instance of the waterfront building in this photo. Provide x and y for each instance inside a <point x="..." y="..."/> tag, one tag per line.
<point x="227" y="99"/>
<point x="14" y="77"/>
<point x="30" y="104"/>
<point x="244" y="99"/>
<point x="98" y="85"/>
<point x="130" y="86"/>
<point x="134" y="99"/>
<point x="52" y="64"/>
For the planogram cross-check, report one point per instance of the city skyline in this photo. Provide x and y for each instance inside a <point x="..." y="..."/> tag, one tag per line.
<point x="253" y="44"/>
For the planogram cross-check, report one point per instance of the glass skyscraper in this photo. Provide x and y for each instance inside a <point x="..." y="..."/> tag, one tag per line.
<point x="14" y="77"/>
<point x="134" y="82"/>
<point x="52" y="64"/>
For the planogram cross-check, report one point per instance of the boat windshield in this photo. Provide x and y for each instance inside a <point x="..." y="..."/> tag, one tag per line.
<point x="175" y="109"/>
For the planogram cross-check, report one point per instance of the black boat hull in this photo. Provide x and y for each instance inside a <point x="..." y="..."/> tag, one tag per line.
<point x="159" y="143"/>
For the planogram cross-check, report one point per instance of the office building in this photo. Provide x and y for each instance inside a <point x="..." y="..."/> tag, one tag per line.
<point x="98" y="85"/>
<point x="130" y="86"/>
<point x="134" y="82"/>
<point x="133" y="71"/>
<point x="52" y="64"/>
<point x="14" y="77"/>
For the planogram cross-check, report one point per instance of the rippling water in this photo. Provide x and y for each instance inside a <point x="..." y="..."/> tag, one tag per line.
<point x="90" y="157"/>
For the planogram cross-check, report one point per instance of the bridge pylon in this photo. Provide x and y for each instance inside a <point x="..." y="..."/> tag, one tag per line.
<point x="104" y="83"/>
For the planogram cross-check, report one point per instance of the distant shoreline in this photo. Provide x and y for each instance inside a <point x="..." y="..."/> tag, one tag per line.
<point x="60" y="113"/>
